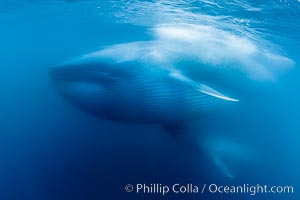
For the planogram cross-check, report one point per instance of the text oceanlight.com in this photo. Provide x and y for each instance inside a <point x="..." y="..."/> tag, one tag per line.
<point x="189" y="188"/>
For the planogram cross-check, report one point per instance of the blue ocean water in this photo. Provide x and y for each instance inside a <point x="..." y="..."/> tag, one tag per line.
<point x="49" y="149"/>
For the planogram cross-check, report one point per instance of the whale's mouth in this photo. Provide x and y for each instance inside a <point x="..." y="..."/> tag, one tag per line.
<point x="82" y="84"/>
<point x="87" y="72"/>
<point x="88" y="84"/>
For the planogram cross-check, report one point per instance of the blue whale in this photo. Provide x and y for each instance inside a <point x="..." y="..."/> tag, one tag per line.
<point x="166" y="81"/>
<point x="130" y="91"/>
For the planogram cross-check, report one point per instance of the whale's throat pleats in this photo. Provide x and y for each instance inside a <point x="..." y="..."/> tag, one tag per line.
<point x="156" y="99"/>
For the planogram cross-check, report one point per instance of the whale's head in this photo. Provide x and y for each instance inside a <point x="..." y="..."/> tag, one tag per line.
<point x="90" y="84"/>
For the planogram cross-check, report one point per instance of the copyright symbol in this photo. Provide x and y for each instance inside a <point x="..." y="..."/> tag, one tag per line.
<point x="129" y="188"/>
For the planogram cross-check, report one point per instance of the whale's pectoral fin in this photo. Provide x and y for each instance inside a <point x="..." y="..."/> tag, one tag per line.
<point x="219" y="162"/>
<point x="228" y="156"/>
<point x="199" y="86"/>
<point x="224" y="154"/>
<point x="221" y="152"/>
<point x="210" y="91"/>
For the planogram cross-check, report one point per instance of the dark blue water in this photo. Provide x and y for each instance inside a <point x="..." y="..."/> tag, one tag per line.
<point x="49" y="149"/>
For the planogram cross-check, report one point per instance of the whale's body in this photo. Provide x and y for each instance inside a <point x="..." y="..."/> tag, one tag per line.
<point x="129" y="90"/>
<point x="172" y="78"/>
<point x="130" y="93"/>
<point x="168" y="81"/>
